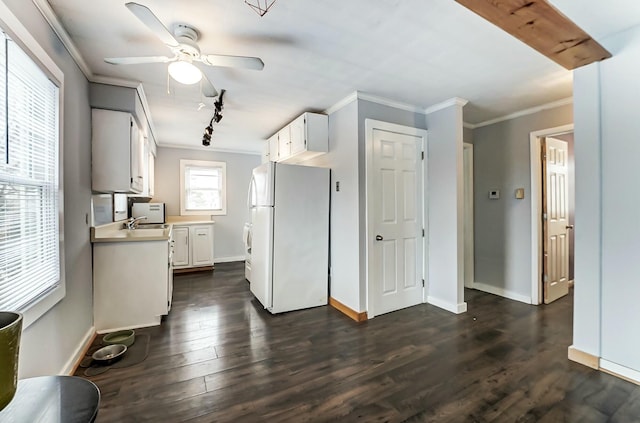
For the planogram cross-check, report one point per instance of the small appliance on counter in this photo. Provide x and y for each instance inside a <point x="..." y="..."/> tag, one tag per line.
<point x="155" y="212"/>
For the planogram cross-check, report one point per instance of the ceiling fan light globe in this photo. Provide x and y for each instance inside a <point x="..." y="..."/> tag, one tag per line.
<point x="184" y="72"/>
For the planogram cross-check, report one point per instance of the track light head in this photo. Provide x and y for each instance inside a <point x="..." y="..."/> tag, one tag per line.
<point x="208" y="131"/>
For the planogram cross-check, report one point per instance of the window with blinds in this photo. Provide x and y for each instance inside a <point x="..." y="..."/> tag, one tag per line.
<point x="203" y="186"/>
<point x="29" y="180"/>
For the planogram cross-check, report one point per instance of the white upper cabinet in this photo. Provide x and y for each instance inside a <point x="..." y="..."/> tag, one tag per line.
<point x="116" y="153"/>
<point x="284" y="143"/>
<point x="304" y="138"/>
<point x="273" y="148"/>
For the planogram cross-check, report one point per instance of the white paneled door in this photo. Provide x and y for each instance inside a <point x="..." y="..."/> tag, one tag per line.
<point x="396" y="213"/>
<point x="555" y="219"/>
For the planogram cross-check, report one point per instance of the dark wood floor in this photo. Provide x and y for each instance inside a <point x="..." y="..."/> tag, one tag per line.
<point x="219" y="357"/>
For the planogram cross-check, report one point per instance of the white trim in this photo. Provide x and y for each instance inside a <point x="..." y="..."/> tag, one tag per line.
<point x="388" y="102"/>
<point x="359" y="95"/>
<point x="454" y="101"/>
<point x="55" y="24"/>
<point x="342" y="103"/>
<point x="445" y="305"/>
<point x="23" y="38"/>
<point x="229" y="259"/>
<point x="535" y="164"/>
<point x="202" y="148"/>
<point x="618" y="370"/>
<point x="525" y="112"/>
<point x="69" y="366"/>
<point x="370" y="126"/>
<point x="468" y="201"/>
<point x="501" y="292"/>
<point x="110" y="80"/>
<point x="209" y="164"/>
<point x="468" y="125"/>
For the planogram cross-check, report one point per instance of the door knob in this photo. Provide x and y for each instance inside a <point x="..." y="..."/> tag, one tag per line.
<point x="379" y="238"/>
<point x="569" y="226"/>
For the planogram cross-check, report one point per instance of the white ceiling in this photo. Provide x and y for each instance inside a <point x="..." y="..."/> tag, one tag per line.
<point x="318" y="52"/>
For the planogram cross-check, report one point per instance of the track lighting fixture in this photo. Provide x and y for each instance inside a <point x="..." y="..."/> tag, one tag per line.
<point x="217" y="117"/>
<point x="208" y="131"/>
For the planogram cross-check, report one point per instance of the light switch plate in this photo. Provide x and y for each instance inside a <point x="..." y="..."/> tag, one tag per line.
<point x="520" y="193"/>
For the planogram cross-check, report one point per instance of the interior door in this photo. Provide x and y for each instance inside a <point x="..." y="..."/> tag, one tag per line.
<point x="397" y="221"/>
<point x="555" y="209"/>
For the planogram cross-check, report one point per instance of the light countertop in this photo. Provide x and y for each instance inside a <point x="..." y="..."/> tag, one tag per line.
<point x="113" y="232"/>
<point x="189" y="220"/>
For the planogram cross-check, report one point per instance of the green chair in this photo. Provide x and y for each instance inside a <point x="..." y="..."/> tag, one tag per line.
<point x="10" y="330"/>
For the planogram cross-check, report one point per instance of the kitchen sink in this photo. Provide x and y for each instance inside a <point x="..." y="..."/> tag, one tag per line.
<point x="152" y="226"/>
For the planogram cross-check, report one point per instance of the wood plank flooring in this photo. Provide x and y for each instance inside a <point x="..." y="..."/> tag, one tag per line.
<point x="219" y="357"/>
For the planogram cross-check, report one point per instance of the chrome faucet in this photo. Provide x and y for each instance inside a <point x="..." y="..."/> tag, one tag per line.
<point x="132" y="222"/>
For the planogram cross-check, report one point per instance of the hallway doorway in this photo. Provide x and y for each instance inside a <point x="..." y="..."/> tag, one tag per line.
<point x="552" y="213"/>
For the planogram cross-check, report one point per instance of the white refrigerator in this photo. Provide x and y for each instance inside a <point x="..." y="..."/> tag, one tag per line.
<point x="289" y="236"/>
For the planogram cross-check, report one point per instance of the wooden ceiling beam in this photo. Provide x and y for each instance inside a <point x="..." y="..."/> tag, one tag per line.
<point x="543" y="28"/>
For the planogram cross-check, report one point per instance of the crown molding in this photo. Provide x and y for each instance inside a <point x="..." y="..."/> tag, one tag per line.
<point x="342" y="103"/>
<point x="52" y="19"/>
<point x="455" y="101"/>
<point x="390" y="103"/>
<point x="359" y="95"/>
<point x="55" y="24"/>
<point x="525" y="112"/>
<point x="210" y="149"/>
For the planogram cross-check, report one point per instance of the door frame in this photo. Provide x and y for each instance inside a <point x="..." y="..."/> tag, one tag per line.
<point x="536" y="206"/>
<point x="469" y="248"/>
<point x="370" y="126"/>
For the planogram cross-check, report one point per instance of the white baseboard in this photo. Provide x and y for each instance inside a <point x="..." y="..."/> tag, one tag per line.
<point x="622" y="372"/>
<point x="228" y="259"/>
<point x="70" y="365"/>
<point x="445" y="305"/>
<point x="501" y="292"/>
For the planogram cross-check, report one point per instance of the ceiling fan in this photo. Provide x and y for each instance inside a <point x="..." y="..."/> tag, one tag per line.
<point x="187" y="64"/>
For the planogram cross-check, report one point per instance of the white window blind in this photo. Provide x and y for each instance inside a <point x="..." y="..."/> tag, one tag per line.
<point x="29" y="180"/>
<point x="203" y="186"/>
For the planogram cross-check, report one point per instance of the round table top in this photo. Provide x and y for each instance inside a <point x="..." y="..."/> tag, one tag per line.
<point x="51" y="399"/>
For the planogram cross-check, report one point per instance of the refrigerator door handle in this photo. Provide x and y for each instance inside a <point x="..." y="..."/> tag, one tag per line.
<point x="250" y="193"/>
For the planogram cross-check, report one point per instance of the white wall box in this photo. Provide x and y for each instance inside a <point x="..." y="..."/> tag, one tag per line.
<point x="193" y="246"/>
<point x="133" y="284"/>
<point x="304" y="138"/>
<point x="117" y="161"/>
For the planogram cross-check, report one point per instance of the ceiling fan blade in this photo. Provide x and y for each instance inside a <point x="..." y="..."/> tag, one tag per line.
<point x="150" y="20"/>
<point x="208" y="90"/>
<point x="254" y="63"/>
<point x="138" y="60"/>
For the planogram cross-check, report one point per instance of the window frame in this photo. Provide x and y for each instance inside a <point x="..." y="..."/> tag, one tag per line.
<point x="12" y="26"/>
<point x="184" y="164"/>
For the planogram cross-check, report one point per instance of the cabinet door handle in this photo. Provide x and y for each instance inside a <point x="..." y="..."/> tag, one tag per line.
<point x="379" y="238"/>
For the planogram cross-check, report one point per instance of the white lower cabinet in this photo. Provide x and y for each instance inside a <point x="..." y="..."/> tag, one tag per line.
<point x="132" y="284"/>
<point x="180" y="246"/>
<point x="193" y="246"/>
